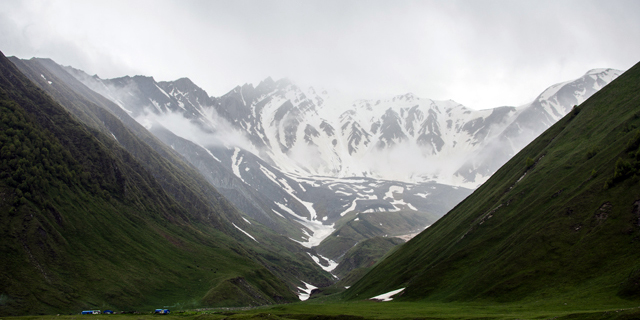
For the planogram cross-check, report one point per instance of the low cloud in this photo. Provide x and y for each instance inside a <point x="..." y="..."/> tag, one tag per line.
<point x="216" y="132"/>
<point x="481" y="53"/>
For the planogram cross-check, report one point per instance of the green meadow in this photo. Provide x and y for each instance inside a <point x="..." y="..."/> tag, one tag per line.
<point x="550" y="309"/>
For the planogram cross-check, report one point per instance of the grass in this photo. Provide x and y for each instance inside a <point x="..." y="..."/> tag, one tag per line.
<point x="350" y="231"/>
<point x="556" y="309"/>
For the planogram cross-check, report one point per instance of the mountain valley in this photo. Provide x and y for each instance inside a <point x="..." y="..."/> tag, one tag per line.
<point x="297" y="188"/>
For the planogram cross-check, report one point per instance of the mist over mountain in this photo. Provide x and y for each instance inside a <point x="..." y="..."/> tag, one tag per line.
<point x="234" y="154"/>
<point x="304" y="162"/>
<point x="311" y="133"/>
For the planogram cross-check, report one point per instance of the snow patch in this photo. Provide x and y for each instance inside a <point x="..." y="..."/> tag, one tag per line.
<point x="45" y="79"/>
<point x="306" y="291"/>
<point x="332" y="264"/>
<point x="387" y="296"/>
<point x="235" y="163"/>
<point x="351" y="208"/>
<point x="392" y="190"/>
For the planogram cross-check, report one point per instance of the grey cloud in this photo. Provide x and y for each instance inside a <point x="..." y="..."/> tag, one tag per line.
<point x="480" y="53"/>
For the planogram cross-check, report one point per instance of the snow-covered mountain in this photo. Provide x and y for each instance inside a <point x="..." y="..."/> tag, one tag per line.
<point x="301" y="161"/>
<point x="404" y="138"/>
<point x="231" y="150"/>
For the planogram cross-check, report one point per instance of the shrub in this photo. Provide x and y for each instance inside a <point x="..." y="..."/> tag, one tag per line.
<point x="575" y="110"/>
<point x="622" y="170"/>
<point x="529" y="163"/>
<point x="634" y="142"/>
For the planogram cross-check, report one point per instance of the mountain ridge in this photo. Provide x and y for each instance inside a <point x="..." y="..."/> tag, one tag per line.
<point x="286" y="123"/>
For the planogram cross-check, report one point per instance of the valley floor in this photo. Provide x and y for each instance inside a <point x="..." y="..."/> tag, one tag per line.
<point x="389" y="310"/>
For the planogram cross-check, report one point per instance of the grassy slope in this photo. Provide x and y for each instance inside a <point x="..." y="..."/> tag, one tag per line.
<point x="85" y="226"/>
<point x="557" y="233"/>
<point x="283" y="257"/>
<point x="357" y="262"/>
<point x="352" y="229"/>
<point x="365" y="254"/>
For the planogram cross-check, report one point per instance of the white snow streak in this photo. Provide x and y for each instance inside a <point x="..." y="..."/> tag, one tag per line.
<point x="278" y="213"/>
<point x="246" y="233"/>
<point x="235" y="163"/>
<point x="211" y="154"/>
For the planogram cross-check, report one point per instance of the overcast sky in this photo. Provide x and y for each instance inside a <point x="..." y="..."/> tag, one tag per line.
<point x="482" y="54"/>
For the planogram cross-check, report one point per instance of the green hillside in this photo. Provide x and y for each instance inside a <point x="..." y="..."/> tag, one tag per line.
<point x="352" y="229"/>
<point x="365" y="254"/>
<point x="84" y="225"/>
<point x="560" y="220"/>
<point x="285" y="258"/>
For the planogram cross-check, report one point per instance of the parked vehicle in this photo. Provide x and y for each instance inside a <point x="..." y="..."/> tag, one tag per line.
<point x="91" y="312"/>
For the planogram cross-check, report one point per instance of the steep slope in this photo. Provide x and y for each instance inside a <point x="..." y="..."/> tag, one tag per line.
<point x="85" y="225"/>
<point x="365" y="254"/>
<point x="558" y="221"/>
<point x="289" y="261"/>
<point x="531" y="120"/>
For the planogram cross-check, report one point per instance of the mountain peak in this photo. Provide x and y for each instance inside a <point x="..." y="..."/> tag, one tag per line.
<point x="283" y="83"/>
<point x="599" y="70"/>
<point x="184" y="81"/>
<point x="266" y="81"/>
